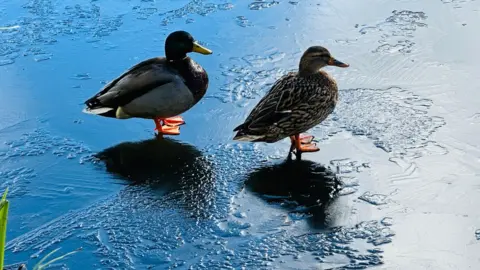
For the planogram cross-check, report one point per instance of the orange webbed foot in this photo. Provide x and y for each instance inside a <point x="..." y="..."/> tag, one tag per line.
<point x="169" y="130"/>
<point x="165" y="129"/>
<point x="174" y="121"/>
<point x="310" y="147"/>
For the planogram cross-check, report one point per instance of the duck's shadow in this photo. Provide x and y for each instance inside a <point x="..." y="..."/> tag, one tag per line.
<point x="300" y="186"/>
<point x="167" y="167"/>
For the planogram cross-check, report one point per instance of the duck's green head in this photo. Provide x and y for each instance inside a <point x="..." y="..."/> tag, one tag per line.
<point x="179" y="43"/>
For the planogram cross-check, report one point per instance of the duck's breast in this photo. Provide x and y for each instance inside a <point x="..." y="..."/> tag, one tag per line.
<point x="316" y="100"/>
<point x="196" y="78"/>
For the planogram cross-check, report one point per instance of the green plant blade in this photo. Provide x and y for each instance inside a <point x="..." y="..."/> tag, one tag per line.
<point x="4" y="197"/>
<point x="42" y="266"/>
<point x="3" y="226"/>
<point x="46" y="256"/>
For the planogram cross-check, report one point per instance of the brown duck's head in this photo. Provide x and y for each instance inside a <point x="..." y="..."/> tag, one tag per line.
<point x="317" y="57"/>
<point x="179" y="43"/>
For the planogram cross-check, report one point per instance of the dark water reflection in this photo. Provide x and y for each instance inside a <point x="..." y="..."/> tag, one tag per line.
<point x="167" y="167"/>
<point x="302" y="187"/>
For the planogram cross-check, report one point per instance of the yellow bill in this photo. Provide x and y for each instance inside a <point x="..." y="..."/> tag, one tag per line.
<point x="200" y="49"/>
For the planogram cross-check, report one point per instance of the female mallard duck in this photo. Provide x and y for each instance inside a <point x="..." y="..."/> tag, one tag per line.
<point x="296" y="102"/>
<point x="159" y="88"/>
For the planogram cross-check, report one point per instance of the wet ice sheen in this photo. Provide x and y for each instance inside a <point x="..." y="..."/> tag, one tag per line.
<point x="193" y="7"/>
<point x="258" y="5"/>
<point x="243" y="21"/>
<point x="375" y="199"/>
<point x="181" y="215"/>
<point x="387" y="221"/>
<point x="396" y="31"/>
<point x="194" y="201"/>
<point x="33" y="144"/>
<point x="44" y="21"/>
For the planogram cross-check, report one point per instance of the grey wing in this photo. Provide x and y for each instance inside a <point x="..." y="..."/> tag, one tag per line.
<point x="166" y="100"/>
<point x="137" y="81"/>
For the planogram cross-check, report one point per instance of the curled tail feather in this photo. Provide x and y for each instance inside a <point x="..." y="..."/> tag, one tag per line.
<point x="243" y="136"/>
<point x="102" y="111"/>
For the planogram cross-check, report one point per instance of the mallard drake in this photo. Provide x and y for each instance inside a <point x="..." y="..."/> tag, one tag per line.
<point x="297" y="102"/>
<point x="159" y="88"/>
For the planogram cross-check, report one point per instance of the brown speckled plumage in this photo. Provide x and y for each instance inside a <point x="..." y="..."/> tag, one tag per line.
<point x="297" y="102"/>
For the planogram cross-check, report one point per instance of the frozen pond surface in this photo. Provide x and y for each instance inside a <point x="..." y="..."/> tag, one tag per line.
<point x="395" y="185"/>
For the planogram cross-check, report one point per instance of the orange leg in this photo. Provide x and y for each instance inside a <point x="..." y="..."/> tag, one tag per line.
<point x="165" y="129"/>
<point x="292" y="145"/>
<point x="174" y="121"/>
